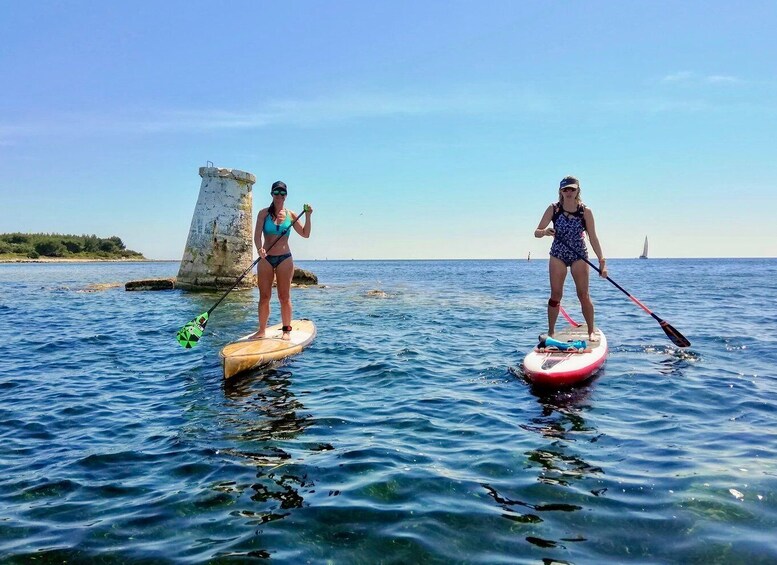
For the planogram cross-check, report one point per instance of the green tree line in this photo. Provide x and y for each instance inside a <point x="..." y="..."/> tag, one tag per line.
<point x="34" y="245"/>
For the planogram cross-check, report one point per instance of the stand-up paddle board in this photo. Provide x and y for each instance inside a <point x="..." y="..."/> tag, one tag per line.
<point x="246" y="353"/>
<point x="553" y="366"/>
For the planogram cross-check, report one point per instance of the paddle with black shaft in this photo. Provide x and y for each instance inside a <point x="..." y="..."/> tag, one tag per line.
<point x="189" y="335"/>
<point x="677" y="338"/>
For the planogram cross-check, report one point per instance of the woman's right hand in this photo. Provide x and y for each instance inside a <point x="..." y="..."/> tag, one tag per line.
<point x="549" y="232"/>
<point x="262" y="253"/>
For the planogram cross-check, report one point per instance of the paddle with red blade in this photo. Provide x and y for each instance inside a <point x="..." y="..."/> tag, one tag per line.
<point x="677" y="338"/>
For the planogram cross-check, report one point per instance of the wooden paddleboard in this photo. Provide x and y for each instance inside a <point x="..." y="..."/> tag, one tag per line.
<point x="246" y="353"/>
<point x="564" y="368"/>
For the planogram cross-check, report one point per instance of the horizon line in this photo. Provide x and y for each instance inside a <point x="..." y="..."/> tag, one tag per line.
<point x="504" y="259"/>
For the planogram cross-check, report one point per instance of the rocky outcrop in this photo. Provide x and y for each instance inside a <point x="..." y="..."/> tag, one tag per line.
<point x="150" y="284"/>
<point x="377" y="294"/>
<point x="96" y="287"/>
<point x="303" y="277"/>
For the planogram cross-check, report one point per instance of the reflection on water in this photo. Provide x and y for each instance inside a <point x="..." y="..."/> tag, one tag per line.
<point x="669" y="360"/>
<point x="561" y="422"/>
<point x="507" y="502"/>
<point x="264" y="407"/>
<point x="143" y="454"/>
<point x="263" y="413"/>
<point x="676" y="361"/>
<point x="561" y="412"/>
<point x="558" y="468"/>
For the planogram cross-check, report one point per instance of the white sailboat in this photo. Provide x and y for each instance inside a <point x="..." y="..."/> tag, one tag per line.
<point x="644" y="250"/>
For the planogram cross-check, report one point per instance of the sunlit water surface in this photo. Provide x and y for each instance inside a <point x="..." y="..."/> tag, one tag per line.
<point x="402" y="434"/>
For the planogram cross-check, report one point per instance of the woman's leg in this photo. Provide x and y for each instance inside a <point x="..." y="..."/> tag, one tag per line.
<point x="580" y="274"/>
<point x="264" y="278"/>
<point x="283" y="275"/>
<point x="558" y="272"/>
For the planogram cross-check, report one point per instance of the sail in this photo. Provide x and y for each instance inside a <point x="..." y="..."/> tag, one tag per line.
<point x="644" y="250"/>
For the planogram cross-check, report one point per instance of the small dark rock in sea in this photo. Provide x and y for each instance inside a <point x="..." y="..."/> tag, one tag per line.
<point x="99" y="286"/>
<point x="151" y="284"/>
<point x="377" y="294"/>
<point x="301" y="276"/>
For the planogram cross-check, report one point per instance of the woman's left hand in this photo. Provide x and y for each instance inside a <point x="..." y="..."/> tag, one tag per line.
<point x="307" y="208"/>
<point x="603" y="269"/>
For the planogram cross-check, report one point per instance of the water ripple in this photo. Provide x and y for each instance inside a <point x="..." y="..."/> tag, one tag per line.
<point x="401" y="434"/>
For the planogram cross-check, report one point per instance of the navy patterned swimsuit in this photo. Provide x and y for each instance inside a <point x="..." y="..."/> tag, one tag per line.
<point x="569" y="229"/>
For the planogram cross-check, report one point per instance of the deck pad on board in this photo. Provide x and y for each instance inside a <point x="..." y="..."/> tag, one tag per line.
<point x="563" y="368"/>
<point x="247" y="353"/>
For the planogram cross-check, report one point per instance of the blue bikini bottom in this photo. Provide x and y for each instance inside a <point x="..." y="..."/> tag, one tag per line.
<point x="275" y="260"/>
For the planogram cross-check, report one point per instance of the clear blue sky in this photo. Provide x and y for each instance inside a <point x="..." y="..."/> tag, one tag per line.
<point x="416" y="129"/>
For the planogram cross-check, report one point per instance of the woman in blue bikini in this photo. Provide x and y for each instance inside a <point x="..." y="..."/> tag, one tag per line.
<point x="272" y="224"/>
<point x="571" y="220"/>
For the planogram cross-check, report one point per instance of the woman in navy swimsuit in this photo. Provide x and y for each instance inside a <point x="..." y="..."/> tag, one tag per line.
<point x="571" y="220"/>
<point x="272" y="224"/>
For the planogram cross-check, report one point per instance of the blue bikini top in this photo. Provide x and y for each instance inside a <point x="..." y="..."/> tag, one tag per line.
<point x="271" y="228"/>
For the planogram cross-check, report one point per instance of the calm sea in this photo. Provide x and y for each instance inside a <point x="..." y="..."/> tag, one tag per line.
<point x="401" y="435"/>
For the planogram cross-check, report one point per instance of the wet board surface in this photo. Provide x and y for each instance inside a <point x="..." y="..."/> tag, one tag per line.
<point x="565" y="368"/>
<point x="246" y="353"/>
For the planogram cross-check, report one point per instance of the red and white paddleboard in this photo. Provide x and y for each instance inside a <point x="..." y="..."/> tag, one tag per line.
<point x="552" y="368"/>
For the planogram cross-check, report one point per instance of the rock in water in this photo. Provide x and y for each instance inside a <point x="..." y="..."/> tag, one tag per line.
<point x="151" y="284"/>
<point x="301" y="276"/>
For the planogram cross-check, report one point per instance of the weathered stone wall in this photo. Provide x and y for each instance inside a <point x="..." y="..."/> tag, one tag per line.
<point x="220" y="243"/>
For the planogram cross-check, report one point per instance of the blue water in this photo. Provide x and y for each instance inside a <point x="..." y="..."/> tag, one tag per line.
<point x="401" y="435"/>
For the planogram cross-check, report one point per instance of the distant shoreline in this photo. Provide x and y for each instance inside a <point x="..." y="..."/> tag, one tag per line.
<point x="51" y="260"/>
<point x="70" y="260"/>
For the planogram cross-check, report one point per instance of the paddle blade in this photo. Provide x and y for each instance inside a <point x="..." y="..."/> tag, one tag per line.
<point x="189" y="335"/>
<point x="677" y="338"/>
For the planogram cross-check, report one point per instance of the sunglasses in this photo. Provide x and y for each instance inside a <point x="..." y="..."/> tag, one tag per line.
<point x="568" y="189"/>
<point x="278" y="192"/>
